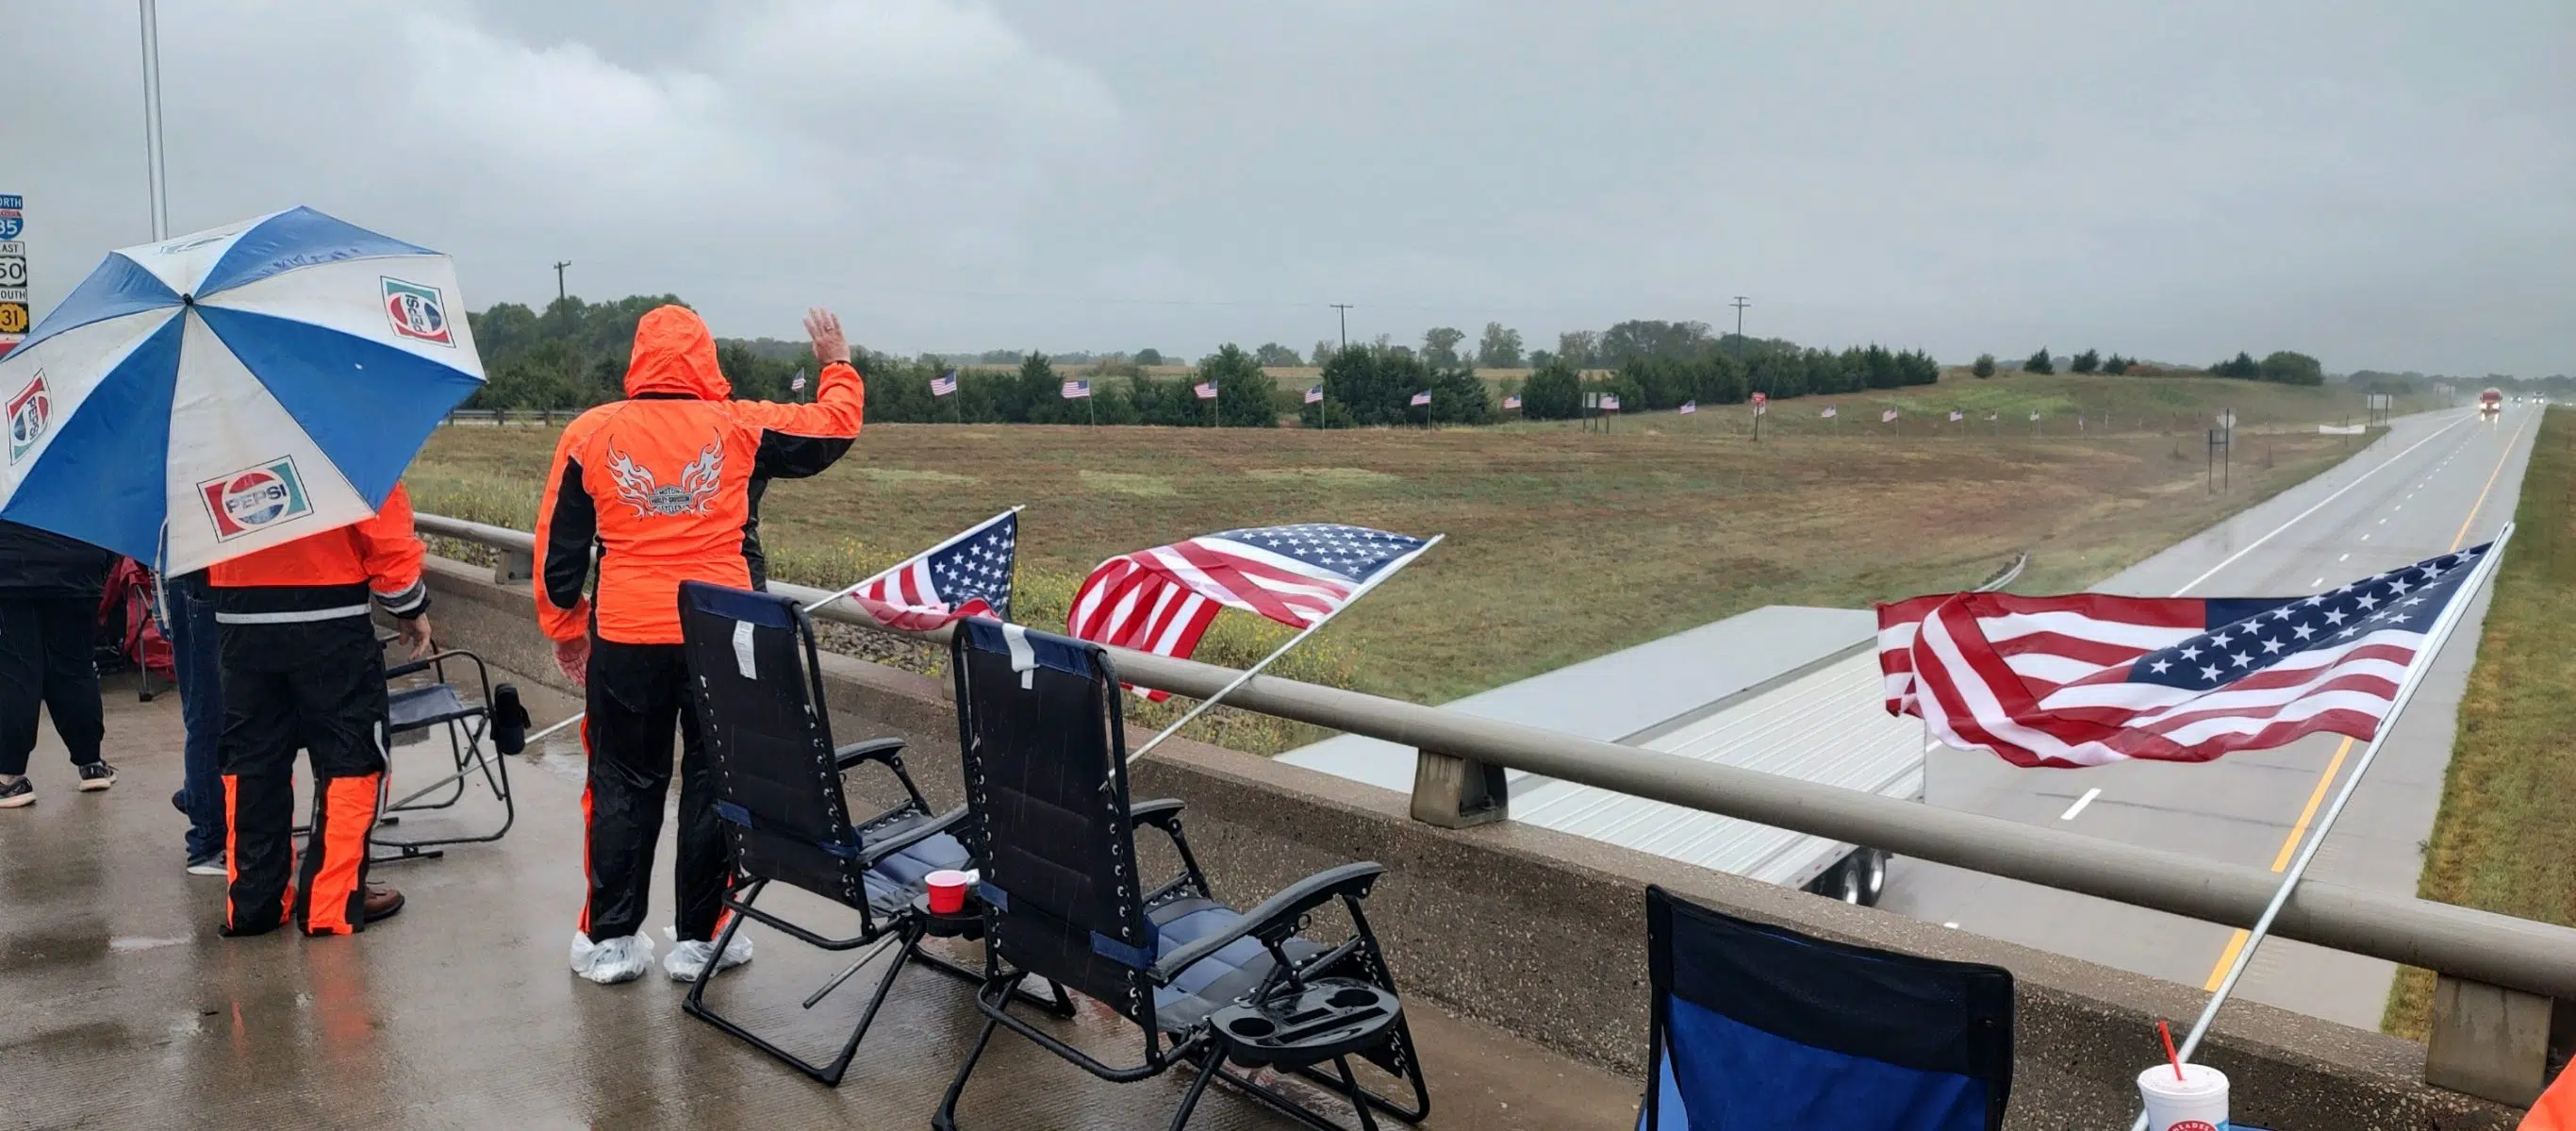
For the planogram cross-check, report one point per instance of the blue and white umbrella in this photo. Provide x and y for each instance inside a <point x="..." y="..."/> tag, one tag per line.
<point x="246" y="385"/>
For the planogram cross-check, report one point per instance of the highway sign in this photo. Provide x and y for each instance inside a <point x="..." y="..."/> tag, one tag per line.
<point x="13" y="217"/>
<point x="13" y="321"/>
<point x="13" y="271"/>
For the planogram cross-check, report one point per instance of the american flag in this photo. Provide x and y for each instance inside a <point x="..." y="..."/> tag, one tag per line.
<point x="1511" y="402"/>
<point x="1421" y="399"/>
<point x="1076" y="390"/>
<point x="1314" y="394"/>
<point x="1994" y="416"/>
<point x="1689" y="407"/>
<point x="1957" y="416"/>
<point x="2034" y="416"/>
<point x="1609" y="403"/>
<point x="1887" y="417"/>
<point x="798" y="384"/>
<point x="2092" y="678"/>
<point x="1205" y="389"/>
<point x="1829" y="410"/>
<point x="966" y="576"/>
<point x="944" y="384"/>
<point x="1161" y="600"/>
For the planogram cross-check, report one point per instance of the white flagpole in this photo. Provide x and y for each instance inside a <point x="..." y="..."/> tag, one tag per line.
<point x="854" y="587"/>
<point x="2433" y="642"/>
<point x="1282" y="650"/>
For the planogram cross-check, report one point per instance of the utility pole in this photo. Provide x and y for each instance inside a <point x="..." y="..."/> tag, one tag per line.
<point x="559" y="279"/>
<point x="1344" y="310"/>
<point x="1739" y="304"/>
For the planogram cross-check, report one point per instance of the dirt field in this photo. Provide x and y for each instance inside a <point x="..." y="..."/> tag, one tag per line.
<point x="1562" y="545"/>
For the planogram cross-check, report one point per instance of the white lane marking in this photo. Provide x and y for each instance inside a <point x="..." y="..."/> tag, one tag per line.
<point x="2365" y="537"/>
<point x="2346" y="557"/>
<point x="2080" y="803"/>
<point x="2383" y="522"/>
<point x="2212" y="571"/>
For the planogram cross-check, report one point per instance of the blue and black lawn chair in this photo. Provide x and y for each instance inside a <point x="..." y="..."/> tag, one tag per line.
<point x="757" y="687"/>
<point x="1759" y="1028"/>
<point x="1045" y="753"/>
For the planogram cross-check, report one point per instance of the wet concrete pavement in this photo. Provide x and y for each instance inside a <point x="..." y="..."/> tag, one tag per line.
<point x="120" y="1006"/>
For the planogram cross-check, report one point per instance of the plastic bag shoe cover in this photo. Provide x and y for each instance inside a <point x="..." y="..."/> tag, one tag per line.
<point x="611" y="961"/>
<point x="688" y="959"/>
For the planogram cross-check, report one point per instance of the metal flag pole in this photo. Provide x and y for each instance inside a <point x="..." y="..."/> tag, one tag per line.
<point x="2433" y="643"/>
<point x="1282" y="650"/>
<point x="156" y="175"/>
<point x="854" y="587"/>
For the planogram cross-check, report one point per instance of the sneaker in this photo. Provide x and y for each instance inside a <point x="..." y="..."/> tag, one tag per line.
<point x="18" y="794"/>
<point x="611" y="961"/>
<point x="97" y="776"/>
<point x="688" y="960"/>
<point x="211" y="864"/>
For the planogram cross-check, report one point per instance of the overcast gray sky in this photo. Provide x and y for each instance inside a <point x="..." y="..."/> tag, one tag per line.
<point x="2387" y="185"/>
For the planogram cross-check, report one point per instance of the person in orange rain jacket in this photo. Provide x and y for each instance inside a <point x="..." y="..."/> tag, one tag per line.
<point x="301" y="667"/>
<point x="2556" y="1110"/>
<point x="660" y="484"/>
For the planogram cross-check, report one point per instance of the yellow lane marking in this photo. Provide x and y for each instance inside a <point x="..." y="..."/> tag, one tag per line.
<point x="2290" y="844"/>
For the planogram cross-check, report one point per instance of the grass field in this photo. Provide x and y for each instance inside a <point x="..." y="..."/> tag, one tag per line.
<point x="1562" y="545"/>
<point x="2505" y="837"/>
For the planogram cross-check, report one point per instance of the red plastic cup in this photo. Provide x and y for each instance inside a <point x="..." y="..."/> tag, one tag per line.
<point x="947" y="892"/>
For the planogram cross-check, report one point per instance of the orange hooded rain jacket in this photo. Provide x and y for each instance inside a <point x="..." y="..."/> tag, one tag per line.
<point x="659" y="483"/>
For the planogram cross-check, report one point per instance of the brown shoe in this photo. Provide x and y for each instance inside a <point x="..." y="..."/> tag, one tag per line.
<point x="382" y="902"/>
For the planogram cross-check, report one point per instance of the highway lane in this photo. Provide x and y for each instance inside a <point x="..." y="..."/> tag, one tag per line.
<point x="2436" y="482"/>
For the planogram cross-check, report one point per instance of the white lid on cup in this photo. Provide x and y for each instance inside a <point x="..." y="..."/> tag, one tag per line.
<point x="2198" y="1081"/>
<point x="947" y="878"/>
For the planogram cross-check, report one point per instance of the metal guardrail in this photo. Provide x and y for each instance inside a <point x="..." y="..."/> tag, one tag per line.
<point x="2463" y="943"/>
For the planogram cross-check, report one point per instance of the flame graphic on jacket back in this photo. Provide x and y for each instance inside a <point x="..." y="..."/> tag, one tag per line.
<point x="698" y="482"/>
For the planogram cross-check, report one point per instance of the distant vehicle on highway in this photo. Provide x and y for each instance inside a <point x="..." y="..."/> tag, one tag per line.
<point x="2491" y="402"/>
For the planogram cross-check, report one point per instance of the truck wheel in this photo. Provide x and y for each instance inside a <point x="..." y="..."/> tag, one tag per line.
<point x="1851" y="879"/>
<point x="1874" y="871"/>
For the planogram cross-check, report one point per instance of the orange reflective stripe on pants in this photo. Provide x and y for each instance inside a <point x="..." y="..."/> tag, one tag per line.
<point x="337" y="855"/>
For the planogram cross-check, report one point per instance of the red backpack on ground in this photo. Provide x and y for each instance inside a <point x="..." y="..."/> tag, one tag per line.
<point x="129" y="635"/>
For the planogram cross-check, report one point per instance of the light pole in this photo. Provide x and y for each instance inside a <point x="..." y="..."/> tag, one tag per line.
<point x="155" y="171"/>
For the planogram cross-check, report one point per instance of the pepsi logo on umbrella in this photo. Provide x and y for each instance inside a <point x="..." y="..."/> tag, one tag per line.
<point x="416" y="312"/>
<point x="255" y="499"/>
<point x="29" y="411"/>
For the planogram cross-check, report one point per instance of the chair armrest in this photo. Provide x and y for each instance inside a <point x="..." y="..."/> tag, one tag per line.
<point x="911" y="836"/>
<point x="872" y="750"/>
<point x="1163" y="814"/>
<point x="1276" y="916"/>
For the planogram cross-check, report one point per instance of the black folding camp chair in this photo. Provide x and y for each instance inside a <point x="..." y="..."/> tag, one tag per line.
<point x="757" y="687"/>
<point x="1759" y="1026"/>
<point x="422" y="712"/>
<point x="1044" y="750"/>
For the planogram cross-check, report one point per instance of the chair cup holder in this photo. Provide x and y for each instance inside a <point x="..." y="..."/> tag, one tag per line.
<point x="1326" y="1018"/>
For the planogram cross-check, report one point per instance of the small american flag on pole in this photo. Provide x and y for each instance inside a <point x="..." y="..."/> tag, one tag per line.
<point x="966" y="576"/>
<point x="1161" y="600"/>
<point x="1829" y="411"/>
<point x="944" y="384"/>
<point x="1421" y="399"/>
<point x="1887" y="417"/>
<point x="1205" y="389"/>
<point x="2092" y="678"/>
<point x="1689" y="407"/>
<point x="1511" y="402"/>
<point x="1957" y="416"/>
<point x="1314" y="394"/>
<point x="2034" y="416"/>
<point x="1609" y="403"/>
<point x="1994" y="416"/>
<point x="798" y="384"/>
<point x="1076" y="390"/>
